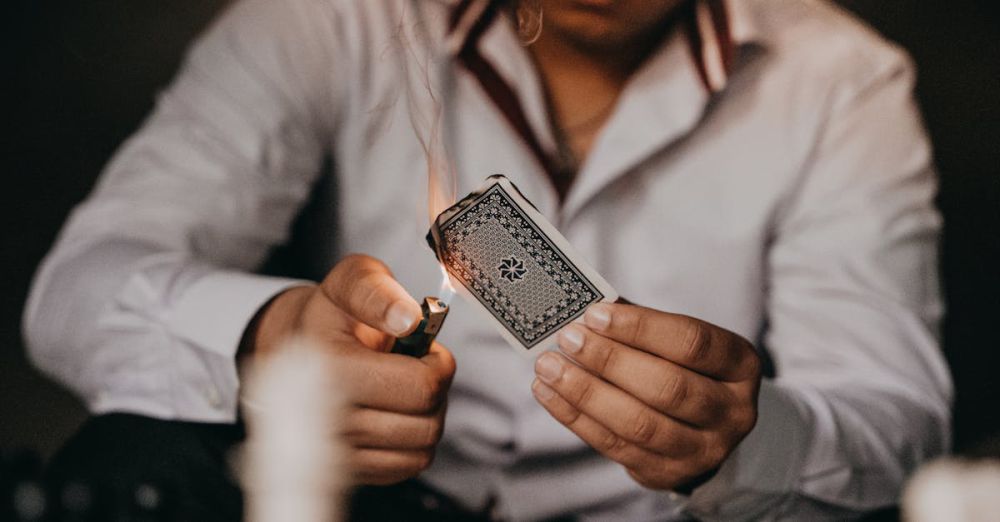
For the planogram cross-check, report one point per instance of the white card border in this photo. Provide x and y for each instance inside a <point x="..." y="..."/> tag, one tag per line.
<point x="574" y="256"/>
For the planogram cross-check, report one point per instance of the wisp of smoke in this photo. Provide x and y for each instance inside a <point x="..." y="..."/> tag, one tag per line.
<point x="428" y="79"/>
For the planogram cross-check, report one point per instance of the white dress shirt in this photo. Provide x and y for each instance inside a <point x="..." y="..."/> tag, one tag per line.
<point x="782" y="191"/>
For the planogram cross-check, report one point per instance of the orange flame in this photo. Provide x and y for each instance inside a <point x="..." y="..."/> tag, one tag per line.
<point x="447" y="291"/>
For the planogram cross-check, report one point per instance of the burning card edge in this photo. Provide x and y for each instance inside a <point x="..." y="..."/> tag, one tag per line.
<point x="498" y="190"/>
<point x="572" y="256"/>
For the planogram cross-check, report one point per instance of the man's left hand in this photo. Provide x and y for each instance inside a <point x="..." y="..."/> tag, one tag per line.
<point x="665" y="395"/>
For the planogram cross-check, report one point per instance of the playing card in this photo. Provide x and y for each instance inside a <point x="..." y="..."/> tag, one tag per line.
<point x="514" y="265"/>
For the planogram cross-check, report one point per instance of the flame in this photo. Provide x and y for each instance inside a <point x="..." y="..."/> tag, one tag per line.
<point x="441" y="194"/>
<point x="428" y="86"/>
<point x="447" y="291"/>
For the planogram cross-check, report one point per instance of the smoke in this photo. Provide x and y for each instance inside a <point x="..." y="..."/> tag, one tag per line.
<point x="428" y="79"/>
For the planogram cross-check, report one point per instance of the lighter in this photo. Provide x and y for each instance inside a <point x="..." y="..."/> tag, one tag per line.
<point x="419" y="342"/>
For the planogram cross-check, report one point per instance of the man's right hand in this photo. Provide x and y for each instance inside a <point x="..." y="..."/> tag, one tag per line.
<point x="397" y="402"/>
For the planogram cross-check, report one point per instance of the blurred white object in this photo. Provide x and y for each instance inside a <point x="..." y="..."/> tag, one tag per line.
<point x="292" y="463"/>
<point x="954" y="490"/>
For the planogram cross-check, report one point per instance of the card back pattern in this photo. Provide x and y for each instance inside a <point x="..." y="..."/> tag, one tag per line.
<point x="517" y="272"/>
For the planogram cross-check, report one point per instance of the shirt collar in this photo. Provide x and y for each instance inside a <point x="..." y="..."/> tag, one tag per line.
<point x="716" y="31"/>
<point x="665" y="99"/>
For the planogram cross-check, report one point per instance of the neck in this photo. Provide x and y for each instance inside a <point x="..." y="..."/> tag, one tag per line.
<point x="560" y="51"/>
<point x="556" y="56"/>
<point x="583" y="82"/>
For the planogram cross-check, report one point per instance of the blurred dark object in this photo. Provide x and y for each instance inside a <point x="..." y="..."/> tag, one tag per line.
<point x="28" y="495"/>
<point x="82" y="75"/>
<point x="78" y="79"/>
<point x="78" y="502"/>
<point x="22" y="496"/>
<point x="183" y="474"/>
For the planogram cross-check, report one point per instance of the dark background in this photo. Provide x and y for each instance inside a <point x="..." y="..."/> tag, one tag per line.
<point x="82" y="75"/>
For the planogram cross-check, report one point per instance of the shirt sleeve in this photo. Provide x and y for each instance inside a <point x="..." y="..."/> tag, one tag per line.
<point x="142" y="302"/>
<point x="862" y="393"/>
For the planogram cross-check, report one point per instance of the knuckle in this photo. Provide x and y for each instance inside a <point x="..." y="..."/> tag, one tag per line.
<point x="696" y="340"/>
<point x="354" y="280"/>
<point x="612" y="444"/>
<point x="433" y="389"/>
<point x="572" y="417"/>
<point x="713" y="453"/>
<point x="585" y="393"/>
<point x="431" y="392"/>
<point x="345" y="269"/>
<point x="366" y="293"/>
<point x="432" y="433"/>
<point x="711" y="411"/>
<point x="680" y="447"/>
<point x="752" y="360"/>
<point x="644" y="428"/>
<point x="609" y="360"/>
<point x="635" y="324"/>
<point x="425" y="435"/>
<point x="672" y="393"/>
<point x="744" y="420"/>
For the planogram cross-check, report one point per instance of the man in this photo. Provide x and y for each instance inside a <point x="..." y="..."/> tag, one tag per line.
<point x="750" y="171"/>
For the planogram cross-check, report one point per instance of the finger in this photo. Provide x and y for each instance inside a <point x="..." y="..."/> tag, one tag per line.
<point x="645" y="466"/>
<point x="663" y="385"/>
<point x="441" y="363"/>
<point x="364" y="287"/>
<point x="372" y="338"/>
<point x="324" y="320"/>
<point x="369" y="428"/>
<point x="398" y="383"/>
<point x="382" y="466"/>
<point x="623" y="414"/>
<point x="689" y="342"/>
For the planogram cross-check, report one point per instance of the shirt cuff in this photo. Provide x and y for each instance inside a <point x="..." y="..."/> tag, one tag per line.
<point x="765" y="468"/>
<point x="216" y="309"/>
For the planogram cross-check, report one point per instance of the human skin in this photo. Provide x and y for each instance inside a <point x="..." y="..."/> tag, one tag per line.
<point x="586" y="52"/>
<point x="397" y="403"/>
<point x="667" y="396"/>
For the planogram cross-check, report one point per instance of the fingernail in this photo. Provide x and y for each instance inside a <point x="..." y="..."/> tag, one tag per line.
<point x="571" y="340"/>
<point x="399" y="319"/>
<point x="548" y="367"/>
<point x="542" y="391"/>
<point x="598" y="316"/>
